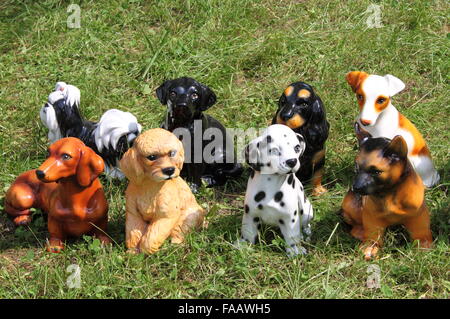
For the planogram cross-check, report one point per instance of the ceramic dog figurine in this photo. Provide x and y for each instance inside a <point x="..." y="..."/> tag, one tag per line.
<point x="303" y="111"/>
<point x="386" y="191"/>
<point x="159" y="203"/>
<point x="381" y="119"/>
<point x="110" y="137"/>
<point x="274" y="194"/>
<point x="66" y="187"/>
<point x="186" y="100"/>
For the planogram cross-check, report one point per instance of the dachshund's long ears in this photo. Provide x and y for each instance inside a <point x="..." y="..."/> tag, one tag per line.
<point x="89" y="167"/>
<point x="131" y="166"/>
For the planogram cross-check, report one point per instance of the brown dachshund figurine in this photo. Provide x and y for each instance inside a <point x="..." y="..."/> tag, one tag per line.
<point x="386" y="191"/>
<point x="66" y="186"/>
<point x="159" y="203"/>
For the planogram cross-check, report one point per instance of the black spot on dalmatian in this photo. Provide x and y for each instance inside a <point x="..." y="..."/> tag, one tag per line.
<point x="278" y="196"/>
<point x="301" y="188"/>
<point x="301" y="212"/>
<point x="246" y="209"/>
<point x="260" y="196"/>
<point x="259" y="226"/>
<point x="269" y="179"/>
<point x="269" y="139"/>
<point x="292" y="245"/>
<point x="260" y="206"/>
<point x="295" y="213"/>
<point x="257" y="145"/>
<point x="293" y="220"/>
<point x="282" y="204"/>
<point x="281" y="221"/>
<point x="268" y="164"/>
<point x="293" y="183"/>
<point x="256" y="219"/>
<point x="290" y="179"/>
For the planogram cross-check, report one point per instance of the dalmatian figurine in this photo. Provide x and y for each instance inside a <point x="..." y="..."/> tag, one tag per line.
<point x="274" y="194"/>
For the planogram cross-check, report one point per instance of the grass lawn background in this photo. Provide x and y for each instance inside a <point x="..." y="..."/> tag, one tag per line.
<point x="247" y="52"/>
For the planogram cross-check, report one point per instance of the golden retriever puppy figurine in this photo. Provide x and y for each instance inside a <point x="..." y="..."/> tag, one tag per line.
<point x="159" y="203"/>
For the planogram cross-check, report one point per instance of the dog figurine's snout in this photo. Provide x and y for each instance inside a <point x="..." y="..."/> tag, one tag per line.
<point x="40" y="174"/>
<point x="291" y="162"/>
<point x="168" y="171"/>
<point x="366" y="122"/>
<point x="285" y="115"/>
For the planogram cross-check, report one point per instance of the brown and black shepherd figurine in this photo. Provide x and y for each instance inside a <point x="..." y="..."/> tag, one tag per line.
<point x="386" y="191"/>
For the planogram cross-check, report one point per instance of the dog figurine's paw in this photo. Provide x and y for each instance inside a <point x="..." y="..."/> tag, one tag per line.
<point x="54" y="248"/>
<point x="241" y="244"/>
<point x="319" y="190"/>
<point x="133" y="251"/>
<point x="370" y="252"/>
<point x="209" y="180"/>
<point x="296" y="250"/>
<point x="23" y="220"/>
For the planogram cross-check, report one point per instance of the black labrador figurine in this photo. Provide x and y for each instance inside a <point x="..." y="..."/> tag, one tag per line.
<point x="209" y="151"/>
<point x="302" y="110"/>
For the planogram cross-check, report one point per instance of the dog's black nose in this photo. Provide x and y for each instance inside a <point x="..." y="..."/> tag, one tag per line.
<point x="40" y="174"/>
<point x="291" y="162"/>
<point x="168" y="171"/>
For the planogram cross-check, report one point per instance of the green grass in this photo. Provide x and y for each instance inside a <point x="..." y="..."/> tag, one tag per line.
<point x="247" y="52"/>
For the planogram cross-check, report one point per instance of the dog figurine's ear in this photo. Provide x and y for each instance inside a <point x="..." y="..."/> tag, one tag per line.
<point x="89" y="167"/>
<point x="208" y="98"/>
<point x="162" y="90"/>
<point x="397" y="148"/>
<point x="395" y="85"/>
<point x="361" y="134"/>
<point x="355" y="78"/>
<point x="180" y="155"/>
<point x="251" y="155"/>
<point x="302" y="143"/>
<point x="318" y="111"/>
<point x="131" y="166"/>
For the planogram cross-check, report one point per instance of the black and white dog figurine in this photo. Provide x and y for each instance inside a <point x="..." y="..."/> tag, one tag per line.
<point x="274" y="194"/>
<point x="186" y="100"/>
<point x="110" y="137"/>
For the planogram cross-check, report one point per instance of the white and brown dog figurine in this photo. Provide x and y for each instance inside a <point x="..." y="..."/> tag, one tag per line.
<point x="159" y="203"/>
<point x="274" y="194"/>
<point x="381" y="119"/>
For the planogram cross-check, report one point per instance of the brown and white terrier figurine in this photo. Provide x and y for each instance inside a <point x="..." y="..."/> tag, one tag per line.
<point x="66" y="186"/>
<point x="386" y="191"/>
<point x="159" y="203"/>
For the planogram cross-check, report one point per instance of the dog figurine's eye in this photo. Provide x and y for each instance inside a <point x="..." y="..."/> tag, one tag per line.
<point x="152" y="157"/>
<point x="274" y="151"/>
<point x="297" y="148"/>
<point x="375" y="172"/>
<point x="172" y="153"/>
<point x="194" y="96"/>
<point x="66" y="157"/>
<point x="173" y="94"/>
<point x="381" y="100"/>
<point x="359" y="97"/>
